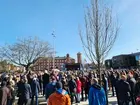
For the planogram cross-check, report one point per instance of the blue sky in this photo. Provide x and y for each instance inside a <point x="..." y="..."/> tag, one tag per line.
<point x="23" y="18"/>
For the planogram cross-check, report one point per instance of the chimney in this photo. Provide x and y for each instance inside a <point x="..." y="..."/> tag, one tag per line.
<point x="79" y="58"/>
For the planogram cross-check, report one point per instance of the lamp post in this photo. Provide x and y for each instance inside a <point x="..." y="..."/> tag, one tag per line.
<point x="53" y="50"/>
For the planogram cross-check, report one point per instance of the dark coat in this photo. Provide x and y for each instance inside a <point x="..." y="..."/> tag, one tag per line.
<point x="49" y="89"/>
<point x="25" y="92"/>
<point x="40" y="81"/>
<point x="4" y="95"/>
<point x="137" y="89"/>
<point x="112" y="79"/>
<point x="65" y="85"/>
<point x="123" y="90"/>
<point x="19" y="86"/>
<point x="35" y="87"/>
<point x="72" y="86"/>
<point x="45" y="79"/>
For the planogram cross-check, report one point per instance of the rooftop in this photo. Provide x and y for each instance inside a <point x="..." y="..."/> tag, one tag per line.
<point x="55" y="57"/>
<point x="137" y="53"/>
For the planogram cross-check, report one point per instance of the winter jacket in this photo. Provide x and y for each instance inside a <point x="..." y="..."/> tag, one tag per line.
<point x="78" y="88"/>
<point x="97" y="95"/>
<point x="35" y="87"/>
<point x="132" y="83"/>
<point x="45" y="79"/>
<point x="112" y="79"/>
<point x="72" y="86"/>
<point x="25" y="91"/>
<point x="83" y="81"/>
<point x="4" y="94"/>
<point x="137" y="89"/>
<point x="50" y="88"/>
<point x="123" y="90"/>
<point x="60" y="97"/>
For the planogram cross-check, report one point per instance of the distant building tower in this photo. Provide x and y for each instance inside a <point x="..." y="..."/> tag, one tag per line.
<point x="67" y="58"/>
<point x="79" y="57"/>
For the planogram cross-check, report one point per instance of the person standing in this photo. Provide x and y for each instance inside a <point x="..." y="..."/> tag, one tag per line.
<point x="60" y="97"/>
<point x="131" y="80"/>
<point x="35" y="89"/>
<point x="11" y="100"/>
<point x="4" y="94"/>
<point x="40" y="78"/>
<point x="78" y="89"/>
<point x="123" y="91"/>
<point x="96" y="94"/>
<point x="83" y="81"/>
<point x="105" y="86"/>
<point x="113" y="82"/>
<point x="51" y="87"/>
<point x="25" y="93"/>
<point x="45" y="81"/>
<point x="137" y="91"/>
<point x="72" y="87"/>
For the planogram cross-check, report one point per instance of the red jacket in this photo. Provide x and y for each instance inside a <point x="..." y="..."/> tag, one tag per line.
<point x="79" y="85"/>
<point x="83" y="81"/>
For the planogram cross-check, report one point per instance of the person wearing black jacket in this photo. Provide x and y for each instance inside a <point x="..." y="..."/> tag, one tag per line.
<point x="123" y="91"/>
<point x="72" y="88"/>
<point x="113" y="82"/>
<point x="40" y="78"/>
<point x="24" y="93"/>
<point x="45" y="80"/>
<point x="137" y="88"/>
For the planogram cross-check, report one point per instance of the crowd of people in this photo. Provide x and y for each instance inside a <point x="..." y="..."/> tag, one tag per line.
<point x="68" y="87"/>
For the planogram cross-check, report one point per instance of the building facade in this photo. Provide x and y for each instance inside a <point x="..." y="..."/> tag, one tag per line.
<point x="123" y="61"/>
<point x="137" y="57"/>
<point x="47" y="63"/>
<point x="108" y="63"/>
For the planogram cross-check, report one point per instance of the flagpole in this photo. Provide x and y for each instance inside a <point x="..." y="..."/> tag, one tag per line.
<point x="53" y="50"/>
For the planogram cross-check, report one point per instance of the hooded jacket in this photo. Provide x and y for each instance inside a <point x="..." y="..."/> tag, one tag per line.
<point x="97" y="95"/>
<point x="50" y="88"/>
<point x="60" y="97"/>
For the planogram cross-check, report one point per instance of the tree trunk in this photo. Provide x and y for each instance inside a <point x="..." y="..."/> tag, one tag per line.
<point x="99" y="72"/>
<point x="27" y="67"/>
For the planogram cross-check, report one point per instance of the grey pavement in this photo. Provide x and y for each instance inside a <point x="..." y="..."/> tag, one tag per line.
<point x="112" y="101"/>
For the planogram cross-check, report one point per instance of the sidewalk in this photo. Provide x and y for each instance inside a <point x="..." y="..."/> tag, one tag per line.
<point x="112" y="101"/>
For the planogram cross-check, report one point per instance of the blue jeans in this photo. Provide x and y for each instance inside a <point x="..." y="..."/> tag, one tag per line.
<point x="36" y="100"/>
<point x="78" y="96"/>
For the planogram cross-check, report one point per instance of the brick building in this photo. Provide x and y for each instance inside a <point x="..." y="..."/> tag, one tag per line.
<point x="47" y="62"/>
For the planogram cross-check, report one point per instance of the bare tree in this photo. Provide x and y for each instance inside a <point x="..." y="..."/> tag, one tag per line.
<point x="101" y="32"/>
<point x="3" y="65"/>
<point x="25" y="51"/>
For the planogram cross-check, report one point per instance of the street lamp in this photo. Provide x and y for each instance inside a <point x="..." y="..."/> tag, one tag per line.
<point x="53" y="49"/>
